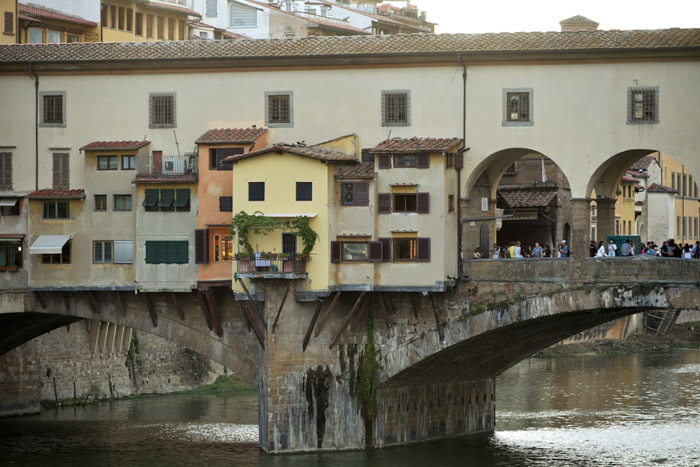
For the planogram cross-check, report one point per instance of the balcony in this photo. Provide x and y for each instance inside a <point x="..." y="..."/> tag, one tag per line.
<point x="262" y="266"/>
<point x="166" y="168"/>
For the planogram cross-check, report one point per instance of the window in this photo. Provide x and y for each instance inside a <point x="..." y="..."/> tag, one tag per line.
<point x="685" y="185"/>
<point x="222" y="247"/>
<point x="6" y="170"/>
<point x="171" y="29"/>
<point x="242" y="16"/>
<point x="52" y="109"/>
<point x="107" y="163"/>
<point x="642" y="105"/>
<point x="403" y="202"/>
<point x="355" y="251"/>
<point x="11" y="254"/>
<point x="54" y="37"/>
<point x="167" y="199"/>
<point x="123" y="251"/>
<point x="216" y="156"/>
<point x="122" y="202"/>
<point x="278" y="109"/>
<point x="289" y="243"/>
<point x="396" y="108"/>
<point x="673" y="180"/>
<point x="56" y="210"/>
<point x="129" y="19"/>
<point x="71" y="38"/>
<point x="102" y="252"/>
<point x="617" y="226"/>
<point x="204" y="34"/>
<point x="182" y="199"/>
<point x="12" y="209"/>
<point x="211" y="8"/>
<point x="113" y="16"/>
<point x="181" y="26"/>
<point x="678" y="225"/>
<point x="100" y="202"/>
<point x="411" y="249"/>
<point x="128" y="162"/>
<point x="354" y="194"/>
<point x="451" y="204"/>
<point x="150" y="201"/>
<point x="167" y="252"/>
<point x="225" y="203"/>
<point x="61" y="171"/>
<point x="162" y="110"/>
<point x="36" y="36"/>
<point x="518" y="107"/>
<point x="138" y="30"/>
<point x="9" y="22"/>
<point x="59" y="258"/>
<point x="122" y="18"/>
<point x="161" y="27"/>
<point x="149" y="26"/>
<point x="678" y="182"/>
<point x="256" y="191"/>
<point x="304" y="191"/>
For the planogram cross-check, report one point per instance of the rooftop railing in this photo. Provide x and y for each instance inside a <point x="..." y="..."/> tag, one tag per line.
<point x="166" y="165"/>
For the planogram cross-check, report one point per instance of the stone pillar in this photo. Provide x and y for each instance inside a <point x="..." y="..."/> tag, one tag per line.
<point x="580" y="228"/>
<point x="605" y="221"/>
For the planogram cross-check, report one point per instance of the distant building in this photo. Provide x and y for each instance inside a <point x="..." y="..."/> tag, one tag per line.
<point x="9" y="22"/>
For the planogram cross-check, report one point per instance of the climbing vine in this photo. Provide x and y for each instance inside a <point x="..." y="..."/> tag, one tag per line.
<point x="259" y="224"/>
<point x="369" y="369"/>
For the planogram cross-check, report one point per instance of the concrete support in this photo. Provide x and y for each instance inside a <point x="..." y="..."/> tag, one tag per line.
<point x="581" y="228"/>
<point x="605" y="218"/>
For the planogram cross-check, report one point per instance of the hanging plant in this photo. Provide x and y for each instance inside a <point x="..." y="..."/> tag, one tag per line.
<point x="259" y="224"/>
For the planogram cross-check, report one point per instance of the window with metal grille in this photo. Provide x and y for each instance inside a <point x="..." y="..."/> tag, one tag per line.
<point x="278" y="109"/>
<point x="304" y="190"/>
<point x="162" y="110"/>
<point x="642" y="105"/>
<point x="289" y="243"/>
<point x="396" y="108"/>
<point x="518" y="107"/>
<point x="53" y="108"/>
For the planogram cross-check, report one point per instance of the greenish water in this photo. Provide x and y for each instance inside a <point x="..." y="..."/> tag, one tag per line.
<point x="626" y="410"/>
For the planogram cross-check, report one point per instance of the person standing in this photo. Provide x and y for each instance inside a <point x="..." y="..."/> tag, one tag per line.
<point x="600" y="252"/>
<point x="612" y="248"/>
<point x="563" y="250"/>
<point x="516" y="251"/>
<point x="537" y="251"/>
<point x="625" y="249"/>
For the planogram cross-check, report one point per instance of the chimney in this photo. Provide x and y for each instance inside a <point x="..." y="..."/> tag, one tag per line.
<point x="578" y="23"/>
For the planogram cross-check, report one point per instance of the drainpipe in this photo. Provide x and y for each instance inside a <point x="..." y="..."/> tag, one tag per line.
<point x="36" y="127"/>
<point x="460" y="266"/>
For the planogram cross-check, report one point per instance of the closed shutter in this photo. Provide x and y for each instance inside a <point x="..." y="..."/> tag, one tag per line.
<point x="226" y="203"/>
<point x="361" y="194"/>
<point x="375" y="252"/>
<point x="9" y="22"/>
<point x="61" y="172"/>
<point x="151" y="254"/>
<point x="335" y="252"/>
<point x="242" y="16"/>
<point x="211" y="8"/>
<point x="6" y="170"/>
<point x="385" y="161"/>
<point x="183" y="256"/>
<point x="201" y="246"/>
<point x="423" y="203"/>
<point x="459" y="161"/>
<point x="384" y="203"/>
<point x="424" y="249"/>
<point x="386" y="249"/>
<point x="422" y="161"/>
<point x="123" y="252"/>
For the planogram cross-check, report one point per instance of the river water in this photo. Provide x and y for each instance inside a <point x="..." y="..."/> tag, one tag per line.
<point x="626" y="410"/>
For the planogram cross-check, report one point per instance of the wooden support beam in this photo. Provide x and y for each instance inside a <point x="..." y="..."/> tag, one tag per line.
<point x="388" y="303"/>
<point x="438" y="321"/>
<point x="66" y="300"/>
<point x="151" y="310"/>
<point x="245" y="317"/>
<point x="340" y="332"/>
<point x="40" y="299"/>
<point x="263" y="324"/>
<point x="214" y="314"/>
<point x="205" y="309"/>
<point x="251" y="317"/>
<point x="362" y="313"/>
<point x="178" y="307"/>
<point x="307" y="337"/>
<point x="325" y="315"/>
<point x="120" y="302"/>
<point x="274" y="325"/>
<point x="92" y="303"/>
<point x="414" y="302"/>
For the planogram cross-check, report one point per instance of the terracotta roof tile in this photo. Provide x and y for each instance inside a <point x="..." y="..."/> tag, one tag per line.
<point x="233" y="35"/>
<point x="377" y="17"/>
<point x="578" y="19"/>
<point x="627" y="178"/>
<point x="30" y="12"/>
<point x="363" y="170"/>
<point x="231" y="135"/>
<point x="643" y="163"/>
<point x="637" y="174"/>
<point x="161" y="178"/>
<point x="416" y="144"/>
<point x="50" y="193"/>
<point x="656" y="188"/>
<point x="529" y="197"/>
<point x="354" y="46"/>
<point x="313" y="152"/>
<point x="115" y="145"/>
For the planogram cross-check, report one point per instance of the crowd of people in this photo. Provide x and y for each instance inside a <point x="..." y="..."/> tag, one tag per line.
<point x="669" y="249"/>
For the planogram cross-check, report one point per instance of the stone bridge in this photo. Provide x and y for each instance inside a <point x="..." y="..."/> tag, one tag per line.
<point x="362" y="369"/>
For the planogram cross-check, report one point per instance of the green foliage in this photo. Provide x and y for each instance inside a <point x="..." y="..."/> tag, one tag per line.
<point x="259" y="224"/>
<point x="369" y="374"/>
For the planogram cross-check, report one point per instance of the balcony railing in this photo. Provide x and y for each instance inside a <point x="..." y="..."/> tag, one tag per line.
<point x="272" y="267"/>
<point x="166" y="165"/>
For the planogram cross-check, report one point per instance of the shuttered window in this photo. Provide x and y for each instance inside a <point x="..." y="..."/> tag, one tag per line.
<point x="151" y="200"/>
<point x="211" y="8"/>
<point x="242" y="16"/>
<point x="167" y="252"/>
<point x="386" y="249"/>
<point x="225" y="203"/>
<point x="336" y="251"/>
<point x="459" y="161"/>
<point x="201" y="246"/>
<point x="167" y="197"/>
<point x="161" y="27"/>
<point x="424" y="249"/>
<point x="375" y="252"/>
<point x="423" y="205"/>
<point x="354" y="194"/>
<point x="129" y="19"/>
<point x="171" y="29"/>
<point x="181" y="26"/>
<point x="149" y="26"/>
<point x="384" y="203"/>
<point x="182" y="199"/>
<point x="139" y="24"/>
<point x="6" y="170"/>
<point x="61" y="172"/>
<point x="256" y="191"/>
<point x="123" y="251"/>
<point x="9" y="22"/>
<point x="422" y="161"/>
<point x="385" y="161"/>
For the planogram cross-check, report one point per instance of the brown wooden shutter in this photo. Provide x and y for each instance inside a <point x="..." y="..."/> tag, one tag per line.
<point x="335" y="252"/>
<point x="225" y="203"/>
<point x="384" y="203"/>
<point x="9" y="22"/>
<point x="385" y="161"/>
<point x="459" y="161"/>
<point x="449" y="160"/>
<point x="423" y="203"/>
<point x="6" y="170"/>
<point x="361" y="194"/>
<point x="424" y="249"/>
<point x="61" y="172"/>
<point x="201" y="246"/>
<point x="422" y="161"/>
<point x="386" y="249"/>
<point x="375" y="252"/>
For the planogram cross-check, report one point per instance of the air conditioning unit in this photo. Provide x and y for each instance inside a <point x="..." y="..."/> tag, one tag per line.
<point x="173" y="165"/>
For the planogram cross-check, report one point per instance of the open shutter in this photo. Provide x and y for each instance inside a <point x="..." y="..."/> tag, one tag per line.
<point x="385" y="161"/>
<point x="201" y="246"/>
<point x="226" y="203"/>
<point x="384" y="203"/>
<point x="167" y="196"/>
<point x="375" y="252"/>
<point x="423" y="203"/>
<point x="424" y="249"/>
<point x="386" y="249"/>
<point x="335" y="252"/>
<point x="361" y="194"/>
<point x="422" y="161"/>
<point x="459" y="161"/>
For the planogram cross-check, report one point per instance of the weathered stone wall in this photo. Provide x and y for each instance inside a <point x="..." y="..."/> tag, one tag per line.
<point x="19" y="381"/>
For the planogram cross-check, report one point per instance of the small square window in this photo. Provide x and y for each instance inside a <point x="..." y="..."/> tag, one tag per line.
<point x="100" y="202"/>
<point x="405" y="202"/>
<point x="52" y="109"/>
<point x="162" y="110"/>
<point x="107" y="163"/>
<point x="642" y="105"/>
<point x="396" y="108"/>
<point x="278" y="109"/>
<point x="405" y="249"/>
<point x="518" y="107"/>
<point x="128" y="162"/>
<point x="304" y="191"/>
<point x="122" y="202"/>
<point x="256" y="191"/>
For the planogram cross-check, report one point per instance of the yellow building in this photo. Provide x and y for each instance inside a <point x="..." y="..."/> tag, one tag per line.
<point x="38" y="25"/>
<point x="139" y="20"/>
<point x="625" y="208"/>
<point x="9" y="22"/>
<point x="676" y="176"/>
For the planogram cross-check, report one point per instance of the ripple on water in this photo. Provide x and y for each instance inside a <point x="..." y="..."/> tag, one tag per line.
<point x="212" y="433"/>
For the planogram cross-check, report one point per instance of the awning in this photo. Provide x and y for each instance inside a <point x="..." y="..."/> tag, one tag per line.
<point x="9" y="201"/>
<point x="49" y="244"/>
<point x="182" y="198"/>
<point x="151" y="198"/>
<point x="166" y="198"/>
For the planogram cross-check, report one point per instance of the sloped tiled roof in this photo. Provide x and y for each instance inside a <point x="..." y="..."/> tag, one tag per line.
<point x="165" y="178"/>
<point x="578" y="19"/>
<point x="627" y="178"/>
<point x="656" y="188"/>
<point x="355" y="46"/>
<point x="643" y="163"/>
<point x="529" y="197"/>
<point x="312" y="152"/>
<point x="115" y="145"/>
<point x="363" y="170"/>
<point x="636" y="174"/>
<point x="30" y="12"/>
<point x="231" y="135"/>
<point x="376" y="17"/>
<point x="416" y="144"/>
<point x="50" y="193"/>
<point x="233" y="35"/>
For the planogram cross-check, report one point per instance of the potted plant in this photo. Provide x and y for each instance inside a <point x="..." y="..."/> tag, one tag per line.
<point x="244" y="261"/>
<point x="2" y="268"/>
<point x="302" y="256"/>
